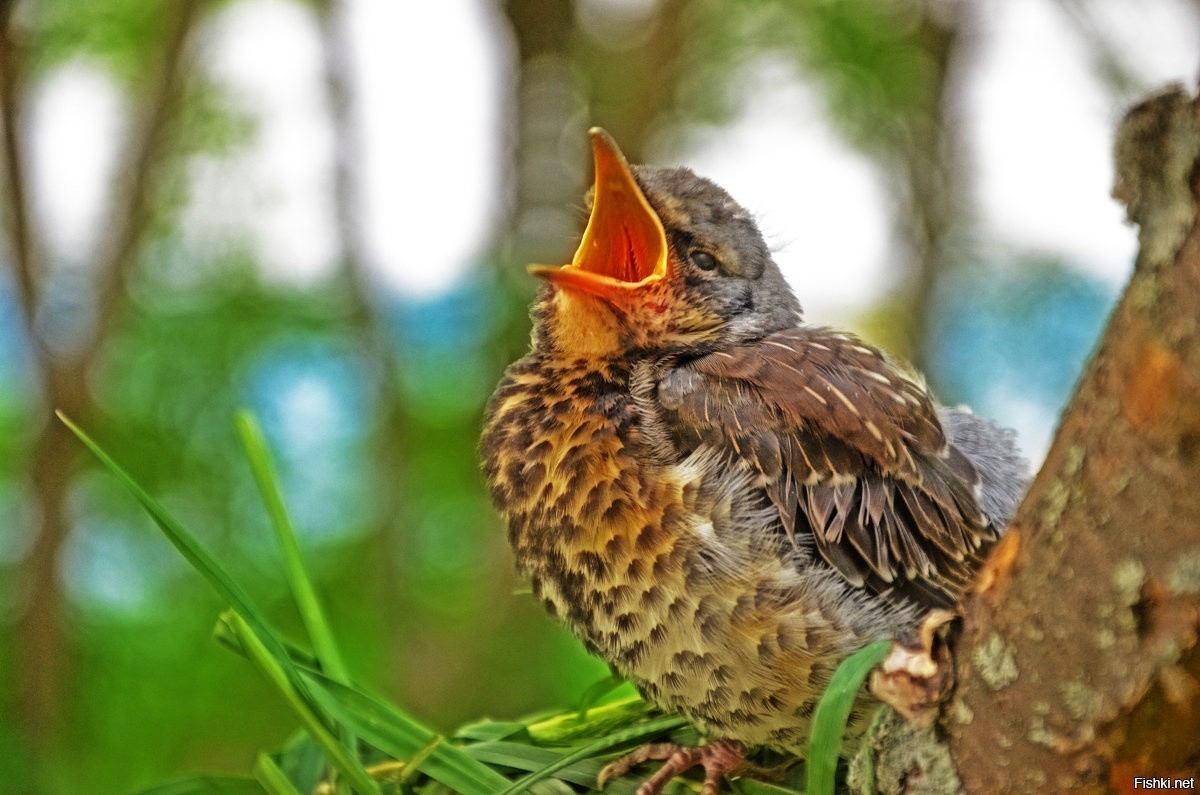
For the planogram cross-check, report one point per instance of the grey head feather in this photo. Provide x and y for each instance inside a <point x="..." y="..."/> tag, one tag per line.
<point x="752" y="296"/>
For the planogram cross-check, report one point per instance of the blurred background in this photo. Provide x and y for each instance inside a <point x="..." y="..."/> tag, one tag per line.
<point x="322" y="210"/>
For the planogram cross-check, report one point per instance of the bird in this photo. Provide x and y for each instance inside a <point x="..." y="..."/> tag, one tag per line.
<point x="719" y="499"/>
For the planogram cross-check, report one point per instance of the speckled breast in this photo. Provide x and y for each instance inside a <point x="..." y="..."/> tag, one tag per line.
<point x="655" y="564"/>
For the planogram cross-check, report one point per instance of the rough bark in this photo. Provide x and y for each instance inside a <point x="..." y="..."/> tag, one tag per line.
<point x="1078" y="664"/>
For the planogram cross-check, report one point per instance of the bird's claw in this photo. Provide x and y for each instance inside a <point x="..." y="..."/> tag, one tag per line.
<point x="917" y="673"/>
<point x="717" y="758"/>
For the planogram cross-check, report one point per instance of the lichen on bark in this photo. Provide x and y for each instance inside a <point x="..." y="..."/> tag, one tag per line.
<point x="1083" y="645"/>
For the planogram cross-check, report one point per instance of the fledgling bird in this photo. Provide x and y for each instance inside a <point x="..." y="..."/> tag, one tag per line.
<point x="722" y="501"/>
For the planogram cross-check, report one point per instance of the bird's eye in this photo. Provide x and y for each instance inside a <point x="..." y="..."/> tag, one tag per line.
<point x="704" y="261"/>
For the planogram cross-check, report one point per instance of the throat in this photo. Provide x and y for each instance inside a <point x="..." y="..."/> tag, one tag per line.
<point x="578" y="324"/>
<point x="560" y="455"/>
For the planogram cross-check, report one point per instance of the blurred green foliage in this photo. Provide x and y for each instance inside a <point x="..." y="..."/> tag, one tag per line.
<point x="376" y="443"/>
<point x="120" y="34"/>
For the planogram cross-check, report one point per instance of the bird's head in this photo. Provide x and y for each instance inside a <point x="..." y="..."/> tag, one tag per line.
<point x="669" y="263"/>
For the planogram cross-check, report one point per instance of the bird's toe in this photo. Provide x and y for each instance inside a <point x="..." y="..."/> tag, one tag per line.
<point x="717" y="758"/>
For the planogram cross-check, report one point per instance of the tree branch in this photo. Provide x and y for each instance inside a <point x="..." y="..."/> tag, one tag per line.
<point x="1080" y="643"/>
<point x="131" y="209"/>
<point x="22" y="247"/>
<point x="1091" y="623"/>
<point x="391" y="442"/>
<point x="43" y="672"/>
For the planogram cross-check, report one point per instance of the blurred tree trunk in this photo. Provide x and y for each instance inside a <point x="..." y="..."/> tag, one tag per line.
<point x="62" y="368"/>
<point x="390" y="437"/>
<point x="928" y="193"/>
<point x="890" y="73"/>
<point x="1078" y="666"/>
<point x="918" y="144"/>
<point x="633" y="90"/>
<point x="568" y="81"/>
<point x="547" y="149"/>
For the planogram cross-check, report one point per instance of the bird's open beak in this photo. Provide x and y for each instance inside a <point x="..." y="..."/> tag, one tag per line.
<point x="624" y="246"/>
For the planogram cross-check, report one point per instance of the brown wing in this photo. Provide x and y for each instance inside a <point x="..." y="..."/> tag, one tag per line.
<point x="849" y="448"/>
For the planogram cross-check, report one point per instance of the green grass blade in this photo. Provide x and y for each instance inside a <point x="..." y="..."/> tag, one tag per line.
<point x="340" y="758"/>
<point x="829" y="722"/>
<point x="591" y="697"/>
<point x="272" y="778"/>
<point x="491" y="731"/>
<point x="254" y="633"/>
<point x="303" y="592"/>
<point x="224" y="635"/>
<point x="403" y="737"/>
<point x="201" y="560"/>
<point x="531" y="758"/>
<point x="301" y="585"/>
<point x="617" y="738"/>
<point x="746" y="786"/>
<point x="566" y="728"/>
<point x="302" y="761"/>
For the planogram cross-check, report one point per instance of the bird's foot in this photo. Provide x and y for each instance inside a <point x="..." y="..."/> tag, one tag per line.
<point x="717" y="758"/>
<point x="917" y="673"/>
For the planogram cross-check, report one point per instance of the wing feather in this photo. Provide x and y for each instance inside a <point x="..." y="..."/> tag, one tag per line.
<point x="849" y="449"/>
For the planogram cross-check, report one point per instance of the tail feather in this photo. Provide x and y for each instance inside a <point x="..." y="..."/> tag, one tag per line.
<point x="1003" y="471"/>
